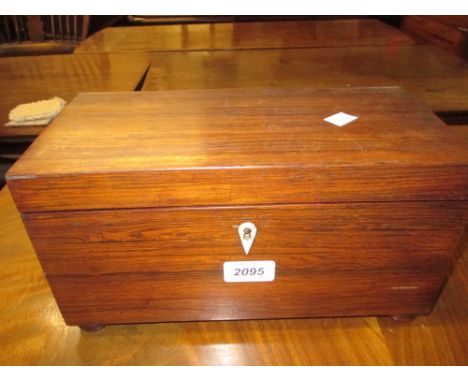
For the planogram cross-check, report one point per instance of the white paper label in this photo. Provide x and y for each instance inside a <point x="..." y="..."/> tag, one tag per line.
<point x="249" y="271"/>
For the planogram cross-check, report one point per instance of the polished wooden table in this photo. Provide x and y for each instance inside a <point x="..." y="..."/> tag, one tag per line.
<point x="461" y="131"/>
<point x="28" y="79"/>
<point x="249" y="35"/>
<point x="439" y="78"/>
<point x="32" y="331"/>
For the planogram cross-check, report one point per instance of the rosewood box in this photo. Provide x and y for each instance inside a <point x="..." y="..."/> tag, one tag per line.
<point x="243" y="204"/>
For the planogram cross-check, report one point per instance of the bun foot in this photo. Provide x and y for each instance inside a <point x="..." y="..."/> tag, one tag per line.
<point x="404" y="318"/>
<point x="91" y="327"/>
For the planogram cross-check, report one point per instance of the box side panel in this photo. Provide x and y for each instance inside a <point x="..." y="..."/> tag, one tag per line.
<point x="145" y="297"/>
<point x="167" y="264"/>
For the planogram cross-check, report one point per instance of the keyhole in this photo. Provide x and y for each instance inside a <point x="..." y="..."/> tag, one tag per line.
<point x="247" y="234"/>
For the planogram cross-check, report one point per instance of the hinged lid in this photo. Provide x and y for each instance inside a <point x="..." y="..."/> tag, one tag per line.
<point x="239" y="146"/>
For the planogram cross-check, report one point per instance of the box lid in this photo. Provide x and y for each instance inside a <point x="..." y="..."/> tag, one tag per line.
<point x="239" y="147"/>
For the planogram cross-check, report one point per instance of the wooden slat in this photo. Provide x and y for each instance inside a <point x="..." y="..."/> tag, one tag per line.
<point x="67" y="19"/>
<point x="52" y="24"/>
<point x="7" y="28"/>
<point x="35" y="28"/>
<point x="60" y="25"/>
<point x="250" y="35"/>
<point x="24" y="32"/>
<point x="85" y="27"/>
<point x="17" y="29"/>
<point x="75" y="28"/>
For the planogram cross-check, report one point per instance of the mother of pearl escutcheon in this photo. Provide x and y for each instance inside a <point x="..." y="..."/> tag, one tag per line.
<point x="247" y="232"/>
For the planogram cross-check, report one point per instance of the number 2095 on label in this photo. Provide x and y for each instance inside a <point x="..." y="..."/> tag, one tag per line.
<point x="249" y="271"/>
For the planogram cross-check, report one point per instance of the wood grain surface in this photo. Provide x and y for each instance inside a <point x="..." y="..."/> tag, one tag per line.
<point x="32" y="331"/>
<point x="301" y="238"/>
<point x="461" y="131"/>
<point x="246" y="35"/>
<point x="436" y="77"/>
<point x="153" y="265"/>
<point x="239" y="146"/>
<point x="448" y="32"/>
<point x="29" y="79"/>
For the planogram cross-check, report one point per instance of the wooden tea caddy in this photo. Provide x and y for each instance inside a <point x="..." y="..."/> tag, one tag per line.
<point x="133" y="202"/>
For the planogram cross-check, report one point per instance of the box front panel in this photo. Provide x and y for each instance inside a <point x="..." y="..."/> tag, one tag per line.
<point x="152" y="265"/>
